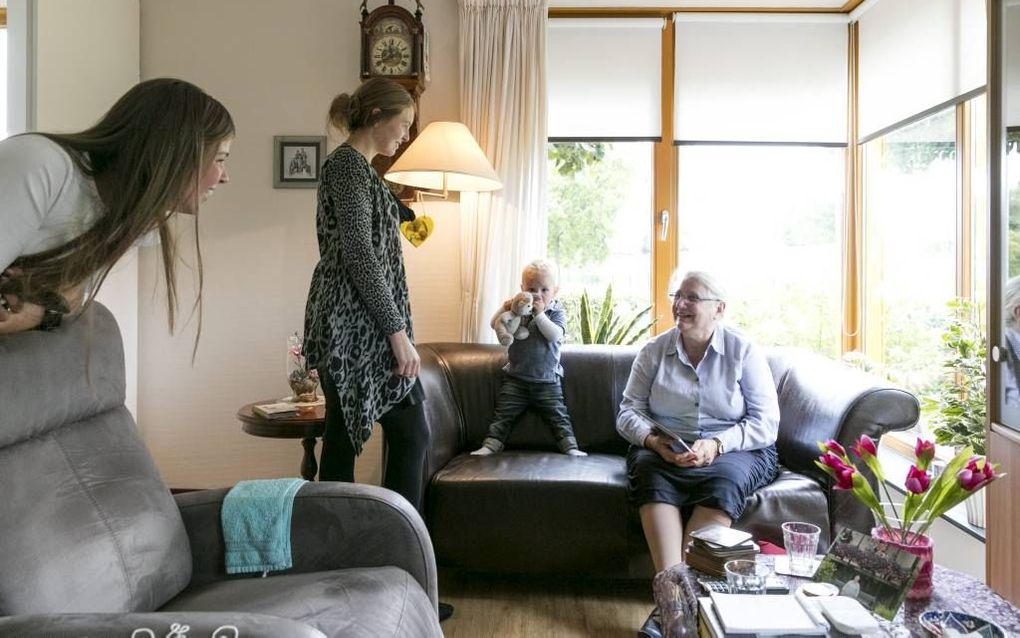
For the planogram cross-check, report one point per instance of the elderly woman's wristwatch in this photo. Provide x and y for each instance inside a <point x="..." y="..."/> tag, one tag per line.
<point x="718" y="443"/>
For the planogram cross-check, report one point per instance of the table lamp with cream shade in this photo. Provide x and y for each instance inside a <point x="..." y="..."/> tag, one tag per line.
<point x="444" y="157"/>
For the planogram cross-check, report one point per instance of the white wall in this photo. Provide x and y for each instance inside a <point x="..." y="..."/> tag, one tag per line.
<point x="276" y="69"/>
<point x="85" y="56"/>
<point x="19" y="62"/>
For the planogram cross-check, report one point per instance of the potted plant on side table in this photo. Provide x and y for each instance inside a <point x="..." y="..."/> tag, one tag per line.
<point x="956" y="405"/>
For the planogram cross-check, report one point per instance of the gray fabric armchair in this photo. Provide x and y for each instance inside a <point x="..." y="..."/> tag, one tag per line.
<point x="93" y="543"/>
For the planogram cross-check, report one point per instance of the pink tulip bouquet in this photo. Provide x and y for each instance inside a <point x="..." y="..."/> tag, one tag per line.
<point x="927" y="498"/>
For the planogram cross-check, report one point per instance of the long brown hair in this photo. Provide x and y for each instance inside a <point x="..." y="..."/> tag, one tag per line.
<point x="151" y="147"/>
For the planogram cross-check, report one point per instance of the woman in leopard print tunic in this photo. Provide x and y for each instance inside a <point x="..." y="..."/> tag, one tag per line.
<point x="358" y="331"/>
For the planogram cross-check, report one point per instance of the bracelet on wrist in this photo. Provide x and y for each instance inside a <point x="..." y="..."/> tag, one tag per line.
<point x="54" y="308"/>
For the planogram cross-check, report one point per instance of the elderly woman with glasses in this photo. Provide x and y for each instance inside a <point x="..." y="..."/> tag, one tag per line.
<point x="701" y="414"/>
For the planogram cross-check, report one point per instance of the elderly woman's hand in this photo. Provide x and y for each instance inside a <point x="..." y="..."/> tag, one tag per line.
<point x="661" y="446"/>
<point x="704" y="451"/>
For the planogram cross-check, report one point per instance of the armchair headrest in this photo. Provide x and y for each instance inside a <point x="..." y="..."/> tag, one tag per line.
<point x="51" y="379"/>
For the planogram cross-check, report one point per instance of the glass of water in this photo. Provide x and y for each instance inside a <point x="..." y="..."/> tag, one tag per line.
<point x="746" y="576"/>
<point x="801" y="541"/>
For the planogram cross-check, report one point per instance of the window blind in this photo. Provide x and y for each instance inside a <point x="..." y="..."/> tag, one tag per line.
<point x="916" y="55"/>
<point x="604" y="78"/>
<point x="760" y="78"/>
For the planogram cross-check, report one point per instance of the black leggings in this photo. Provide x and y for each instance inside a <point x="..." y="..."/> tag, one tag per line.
<point x="407" y="438"/>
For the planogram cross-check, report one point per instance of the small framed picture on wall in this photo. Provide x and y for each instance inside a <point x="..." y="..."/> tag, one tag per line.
<point x="297" y="160"/>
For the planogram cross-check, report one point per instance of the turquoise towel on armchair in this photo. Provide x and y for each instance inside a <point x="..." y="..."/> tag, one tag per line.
<point x="256" y="525"/>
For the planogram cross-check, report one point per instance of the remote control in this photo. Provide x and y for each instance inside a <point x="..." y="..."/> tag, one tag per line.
<point x="773" y="585"/>
<point x="714" y="585"/>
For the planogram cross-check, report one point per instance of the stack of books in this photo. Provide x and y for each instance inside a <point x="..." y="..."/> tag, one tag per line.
<point x="709" y="558"/>
<point x="712" y="546"/>
<point x="279" y="410"/>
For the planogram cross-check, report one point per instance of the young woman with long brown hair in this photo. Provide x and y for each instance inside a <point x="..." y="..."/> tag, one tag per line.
<point x="72" y="204"/>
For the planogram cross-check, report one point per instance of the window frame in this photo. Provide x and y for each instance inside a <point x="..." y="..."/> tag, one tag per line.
<point x="665" y="176"/>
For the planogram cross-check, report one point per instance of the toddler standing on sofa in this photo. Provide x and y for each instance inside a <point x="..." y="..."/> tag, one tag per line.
<point x="531" y="378"/>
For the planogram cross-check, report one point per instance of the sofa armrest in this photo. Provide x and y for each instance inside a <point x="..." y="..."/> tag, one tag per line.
<point x="335" y="526"/>
<point x="442" y="411"/>
<point x="822" y="399"/>
<point x="213" y="624"/>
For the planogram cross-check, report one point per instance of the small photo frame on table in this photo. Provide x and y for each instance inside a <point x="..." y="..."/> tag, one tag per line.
<point x="878" y="575"/>
<point x="297" y="160"/>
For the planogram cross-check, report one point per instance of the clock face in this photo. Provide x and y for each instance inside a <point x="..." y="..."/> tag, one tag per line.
<point x="391" y="54"/>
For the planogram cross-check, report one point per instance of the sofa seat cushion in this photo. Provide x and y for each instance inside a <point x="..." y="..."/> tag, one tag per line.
<point x="86" y="523"/>
<point x="531" y="512"/>
<point x="791" y="497"/>
<point x="368" y="601"/>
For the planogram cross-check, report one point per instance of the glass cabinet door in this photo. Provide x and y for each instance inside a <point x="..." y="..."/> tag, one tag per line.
<point x="1006" y="349"/>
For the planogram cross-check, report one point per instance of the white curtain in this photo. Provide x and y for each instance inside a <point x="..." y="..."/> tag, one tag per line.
<point x="503" y="103"/>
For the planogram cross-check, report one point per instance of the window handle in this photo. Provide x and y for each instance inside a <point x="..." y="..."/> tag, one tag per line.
<point x="997" y="355"/>
<point x="664" y="222"/>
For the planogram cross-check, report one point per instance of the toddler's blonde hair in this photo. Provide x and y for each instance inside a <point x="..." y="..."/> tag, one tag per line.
<point x="542" y="267"/>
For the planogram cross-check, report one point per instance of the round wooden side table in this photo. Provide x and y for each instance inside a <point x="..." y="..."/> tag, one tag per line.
<point x="307" y="425"/>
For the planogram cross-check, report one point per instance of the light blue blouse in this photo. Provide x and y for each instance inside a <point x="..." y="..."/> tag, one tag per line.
<point x="730" y="395"/>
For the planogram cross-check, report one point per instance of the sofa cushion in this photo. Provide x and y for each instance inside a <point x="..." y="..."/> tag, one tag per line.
<point x="368" y="601"/>
<point x="510" y="512"/>
<point x="593" y="382"/>
<point x="86" y="523"/>
<point x="791" y="497"/>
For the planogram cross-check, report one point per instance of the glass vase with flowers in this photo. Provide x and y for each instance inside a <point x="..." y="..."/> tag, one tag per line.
<point x="303" y="382"/>
<point x="927" y="497"/>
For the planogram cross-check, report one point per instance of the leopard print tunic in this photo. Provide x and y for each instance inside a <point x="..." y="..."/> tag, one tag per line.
<point x="358" y="294"/>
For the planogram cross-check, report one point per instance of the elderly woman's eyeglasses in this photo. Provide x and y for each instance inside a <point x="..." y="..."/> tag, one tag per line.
<point x="690" y="298"/>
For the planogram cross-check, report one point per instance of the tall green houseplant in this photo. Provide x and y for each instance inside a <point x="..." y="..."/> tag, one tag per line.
<point x="607" y="326"/>
<point x="956" y="406"/>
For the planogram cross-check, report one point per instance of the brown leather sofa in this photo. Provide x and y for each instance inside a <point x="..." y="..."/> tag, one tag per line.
<point x="531" y="509"/>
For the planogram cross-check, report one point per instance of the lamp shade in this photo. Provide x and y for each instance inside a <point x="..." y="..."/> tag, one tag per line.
<point x="445" y="156"/>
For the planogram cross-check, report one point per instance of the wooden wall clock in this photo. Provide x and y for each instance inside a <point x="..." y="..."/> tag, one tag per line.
<point x="393" y="47"/>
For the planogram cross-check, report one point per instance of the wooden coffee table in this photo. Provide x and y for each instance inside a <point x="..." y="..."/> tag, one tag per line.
<point x="307" y="425"/>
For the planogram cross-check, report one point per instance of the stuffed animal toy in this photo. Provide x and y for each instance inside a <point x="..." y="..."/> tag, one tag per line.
<point x="508" y="324"/>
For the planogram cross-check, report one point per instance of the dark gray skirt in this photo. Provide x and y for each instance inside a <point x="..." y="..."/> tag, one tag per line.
<point x="723" y="485"/>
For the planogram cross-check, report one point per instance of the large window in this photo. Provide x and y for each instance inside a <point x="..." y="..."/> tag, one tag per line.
<point x="910" y="247"/>
<point x="604" y="120"/>
<point x="746" y="174"/>
<point x="976" y="285"/>
<point x="765" y="220"/>
<point x="599" y="198"/>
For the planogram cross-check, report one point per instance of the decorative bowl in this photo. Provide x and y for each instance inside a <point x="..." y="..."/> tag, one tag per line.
<point x="956" y="623"/>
